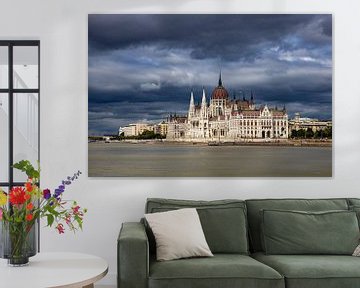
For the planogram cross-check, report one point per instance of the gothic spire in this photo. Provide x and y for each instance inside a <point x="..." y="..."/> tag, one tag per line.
<point x="220" y="81"/>
<point x="192" y="98"/>
<point x="191" y="106"/>
<point x="203" y="100"/>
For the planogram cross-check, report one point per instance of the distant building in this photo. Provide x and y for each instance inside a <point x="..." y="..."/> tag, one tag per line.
<point x="161" y="128"/>
<point x="177" y="127"/>
<point x="299" y="123"/>
<point x="136" y="129"/>
<point x="228" y="120"/>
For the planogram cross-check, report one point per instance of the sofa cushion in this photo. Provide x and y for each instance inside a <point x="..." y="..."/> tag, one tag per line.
<point x="223" y="221"/>
<point x="353" y="201"/>
<point x="313" y="271"/>
<point x="222" y="270"/>
<point x="297" y="232"/>
<point x="254" y="217"/>
<point x="178" y="234"/>
<point x="356" y="209"/>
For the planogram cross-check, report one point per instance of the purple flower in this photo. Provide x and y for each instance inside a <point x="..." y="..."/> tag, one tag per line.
<point x="46" y="194"/>
<point x="58" y="192"/>
<point x="64" y="183"/>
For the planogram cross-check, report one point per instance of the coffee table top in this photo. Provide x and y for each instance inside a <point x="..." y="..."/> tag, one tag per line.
<point x="68" y="270"/>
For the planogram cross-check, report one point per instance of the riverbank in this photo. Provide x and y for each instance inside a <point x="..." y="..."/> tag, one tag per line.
<point x="285" y="143"/>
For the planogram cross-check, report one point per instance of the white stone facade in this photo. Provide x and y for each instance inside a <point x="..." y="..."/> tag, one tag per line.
<point x="228" y="120"/>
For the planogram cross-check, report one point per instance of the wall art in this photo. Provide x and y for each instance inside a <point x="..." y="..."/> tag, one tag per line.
<point x="210" y="95"/>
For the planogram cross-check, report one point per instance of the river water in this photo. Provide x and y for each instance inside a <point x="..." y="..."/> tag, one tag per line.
<point x="179" y="160"/>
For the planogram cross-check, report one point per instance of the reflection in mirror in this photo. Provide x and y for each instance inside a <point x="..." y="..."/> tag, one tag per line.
<point x="4" y="67"/>
<point x="26" y="130"/>
<point x="4" y="137"/>
<point x="26" y="74"/>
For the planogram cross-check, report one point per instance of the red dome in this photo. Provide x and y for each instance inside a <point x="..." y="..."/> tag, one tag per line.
<point x="219" y="93"/>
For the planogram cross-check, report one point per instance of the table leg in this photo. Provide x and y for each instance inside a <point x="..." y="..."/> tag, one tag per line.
<point x="89" y="286"/>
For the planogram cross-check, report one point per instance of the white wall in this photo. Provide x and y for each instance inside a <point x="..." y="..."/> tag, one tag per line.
<point x="61" y="25"/>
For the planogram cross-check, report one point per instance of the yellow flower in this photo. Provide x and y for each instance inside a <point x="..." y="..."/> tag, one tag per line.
<point x="3" y="198"/>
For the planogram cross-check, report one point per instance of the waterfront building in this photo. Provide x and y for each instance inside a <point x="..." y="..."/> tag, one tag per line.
<point x="161" y="128"/>
<point x="136" y="129"/>
<point x="225" y="119"/>
<point x="304" y="123"/>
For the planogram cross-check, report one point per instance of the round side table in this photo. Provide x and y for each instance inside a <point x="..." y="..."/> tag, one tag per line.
<point x="50" y="270"/>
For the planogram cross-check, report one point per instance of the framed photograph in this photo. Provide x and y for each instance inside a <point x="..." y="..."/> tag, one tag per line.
<point x="210" y="95"/>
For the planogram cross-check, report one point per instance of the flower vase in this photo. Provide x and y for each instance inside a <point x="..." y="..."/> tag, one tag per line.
<point x="18" y="242"/>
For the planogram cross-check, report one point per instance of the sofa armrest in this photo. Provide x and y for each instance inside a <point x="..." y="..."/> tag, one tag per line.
<point x="133" y="256"/>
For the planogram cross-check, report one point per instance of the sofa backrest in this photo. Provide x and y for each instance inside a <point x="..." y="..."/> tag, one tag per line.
<point x="256" y="205"/>
<point x="353" y="202"/>
<point x="223" y="221"/>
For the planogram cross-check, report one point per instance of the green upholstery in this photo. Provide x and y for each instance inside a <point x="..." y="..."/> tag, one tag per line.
<point x="133" y="256"/>
<point x="223" y="221"/>
<point x="315" y="271"/>
<point x="254" y="216"/>
<point x="222" y="270"/>
<point x="294" y="232"/>
<point x="356" y="209"/>
<point x="353" y="201"/>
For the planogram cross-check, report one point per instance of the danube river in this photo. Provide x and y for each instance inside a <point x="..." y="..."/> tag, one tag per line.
<point x="171" y="160"/>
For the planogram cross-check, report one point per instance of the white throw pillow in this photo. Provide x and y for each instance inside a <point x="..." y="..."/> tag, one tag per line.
<point x="178" y="234"/>
<point x="357" y="251"/>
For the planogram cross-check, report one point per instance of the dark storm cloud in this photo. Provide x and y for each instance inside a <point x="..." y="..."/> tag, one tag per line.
<point x="142" y="67"/>
<point x="228" y="37"/>
<point x="177" y="94"/>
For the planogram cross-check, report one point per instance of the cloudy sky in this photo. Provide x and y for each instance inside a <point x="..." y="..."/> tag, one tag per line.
<point x="143" y="67"/>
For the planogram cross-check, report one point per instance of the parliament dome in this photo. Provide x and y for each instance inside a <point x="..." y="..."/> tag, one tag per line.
<point x="220" y="92"/>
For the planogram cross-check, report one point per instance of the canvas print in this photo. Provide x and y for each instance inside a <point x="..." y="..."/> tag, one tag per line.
<point x="189" y="95"/>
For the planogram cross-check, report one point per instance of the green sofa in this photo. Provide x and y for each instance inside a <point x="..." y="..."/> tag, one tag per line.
<point x="234" y="232"/>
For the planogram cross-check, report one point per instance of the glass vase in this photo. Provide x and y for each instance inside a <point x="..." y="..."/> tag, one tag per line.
<point x="18" y="242"/>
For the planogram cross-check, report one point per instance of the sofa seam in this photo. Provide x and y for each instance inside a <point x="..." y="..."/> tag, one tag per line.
<point x="355" y="277"/>
<point x="215" y="277"/>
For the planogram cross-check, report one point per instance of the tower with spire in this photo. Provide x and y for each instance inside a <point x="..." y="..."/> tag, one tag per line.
<point x="225" y="119"/>
<point x="191" y="112"/>
<point x="204" y="107"/>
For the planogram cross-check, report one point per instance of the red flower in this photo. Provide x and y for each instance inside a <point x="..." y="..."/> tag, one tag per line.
<point x="17" y="196"/>
<point x="27" y="196"/>
<point x="29" y="217"/>
<point x="29" y="186"/>
<point x="68" y="219"/>
<point x="60" y="228"/>
<point x="29" y="206"/>
<point x="75" y="209"/>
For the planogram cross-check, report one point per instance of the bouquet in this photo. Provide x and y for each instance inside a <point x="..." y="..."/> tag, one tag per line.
<point x="23" y="206"/>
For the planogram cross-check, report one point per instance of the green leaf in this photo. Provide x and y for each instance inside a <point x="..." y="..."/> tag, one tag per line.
<point x="50" y="219"/>
<point x="26" y="167"/>
<point x="53" y="211"/>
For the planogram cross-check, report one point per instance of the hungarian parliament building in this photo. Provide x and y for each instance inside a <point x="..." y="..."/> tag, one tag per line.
<point x="225" y="119"/>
